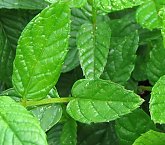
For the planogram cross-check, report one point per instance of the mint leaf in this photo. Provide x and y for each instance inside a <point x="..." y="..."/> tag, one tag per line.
<point x="154" y="66"/>
<point x="115" y="5"/>
<point x="101" y="101"/>
<point x="18" y="126"/>
<point x="157" y="101"/>
<point x="41" y="51"/>
<point x="93" y="44"/>
<point x="151" y="138"/>
<point x="69" y="133"/>
<point x="23" y="4"/>
<point x="78" y="18"/>
<point x="122" y="54"/>
<point x="129" y="129"/>
<point x="147" y="15"/>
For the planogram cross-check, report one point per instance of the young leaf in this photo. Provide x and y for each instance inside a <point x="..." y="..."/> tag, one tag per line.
<point x="18" y="126"/>
<point x="147" y="16"/>
<point x="93" y="44"/>
<point x="41" y="51"/>
<point x="121" y="58"/>
<point x="157" y="104"/>
<point x="69" y="133"/>
<point x="101" y="101"/>
<point x="129" y="129"/>
<point x="48" y="115"/>
<point x="23" y="4"/>
<point x="156" y="61"/>
<point x="115" y="5"/>
<point x="151" y="138"/>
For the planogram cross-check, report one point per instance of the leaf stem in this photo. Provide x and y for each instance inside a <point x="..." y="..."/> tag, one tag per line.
<point x="46" y="101"/>
<point x="145" y="88"/>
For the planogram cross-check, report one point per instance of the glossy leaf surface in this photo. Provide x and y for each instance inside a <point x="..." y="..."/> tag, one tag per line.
<point x="151" y="138"/>
<point x="101" y="101"/>
<point x="41" y="51"/>
<point x="93" y="44"/>
<point x="157" y="104"/>
<point x="18" y="126"/>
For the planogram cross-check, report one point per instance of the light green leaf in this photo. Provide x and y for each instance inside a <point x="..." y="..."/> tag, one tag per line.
<point x="48" y="115"/>
<point x="115" y="5"/>
<point x="23" y="4"/>
<point x="157" y="104"/>
<point x="69" y="133"/>
<point x="78" y="17"/>
<point x="147" y="16"/>
<point x="121" y="58"/>
<point x="93" y="44"/>
<point x="18" y="126"/>
<point x="78" y="3"/>
<point x="151" y="138"/>
<point x="129" y="129"/>
<point x="162" y="11"/>
<point x="41" y="51"/>
<point x="156" y="61"/>
<point x="101" y="101"/>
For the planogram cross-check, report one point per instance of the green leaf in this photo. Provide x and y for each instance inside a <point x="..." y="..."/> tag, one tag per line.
<point x="41" y="51"/>
<point x="78" y="3"/>
<point x="12" y="23"/>
<point x="147" y="16"/>
<point x="162" y="13"/>
<point x="18" y="126"/>
<point x="69" y="133"/>
<point x="151" y="138"/>
<point x="156" y="61"/>
<point x="53" y="135"/>
<point x="23" y="4"/>
<point x="157" y="104"/>
<point x="93" y="44"/>
<point x="140" y="71"/>
<point x="48" y="115"/>
<point x="121" y="58"/>
<point x="97" y="134"/>
<point x="115" y="5"/>
<point x="78" y="17"/>
<point x="129" y="129"/>
<point x="100" y="101"/>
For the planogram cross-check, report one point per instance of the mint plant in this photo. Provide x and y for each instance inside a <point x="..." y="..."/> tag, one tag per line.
<point x="82" y="72"/>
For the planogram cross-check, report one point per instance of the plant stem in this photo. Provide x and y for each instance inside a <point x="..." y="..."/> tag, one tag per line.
<point x="46" y="101"/>
<point x="145" y="88"/>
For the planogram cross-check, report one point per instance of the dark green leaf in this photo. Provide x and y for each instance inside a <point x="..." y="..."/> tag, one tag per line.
<point x="129" y="129"/>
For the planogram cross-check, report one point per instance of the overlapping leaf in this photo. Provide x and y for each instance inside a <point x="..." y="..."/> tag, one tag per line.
<point x="23" y="4"/>
<point x="129" y="129"/>
<point x="101" y="101"/>
<point x="69" y="133"/>
<point x="41" y="51"/>
<point x="156" y="61"/>
<point x="18" y="126"/>
<point x="93" y="44"/>
<point x="151" y="138"/>
<point x="157" y="104"/>
<point x="48" y="115"/>
<point x="78" y="17"/>
<point x="115" y="5"/>
<point x="12" y="23"/>
<point x="147" y="15"/>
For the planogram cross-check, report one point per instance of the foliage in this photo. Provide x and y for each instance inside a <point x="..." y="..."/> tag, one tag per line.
<point x="82" y="72"/>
